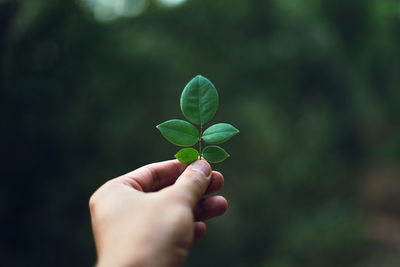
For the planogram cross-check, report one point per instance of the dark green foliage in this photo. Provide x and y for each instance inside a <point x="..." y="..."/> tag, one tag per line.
<point x="219" y="133"/>
<point x="214" y="154"/>
<point x="199" y="102"/>
<point x="179" y="132"/>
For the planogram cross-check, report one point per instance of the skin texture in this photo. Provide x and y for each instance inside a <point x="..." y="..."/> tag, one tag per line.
<point x="154" y="215"/>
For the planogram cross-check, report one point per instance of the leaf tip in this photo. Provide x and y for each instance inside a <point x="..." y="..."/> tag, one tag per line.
<point x="159" y="127"/>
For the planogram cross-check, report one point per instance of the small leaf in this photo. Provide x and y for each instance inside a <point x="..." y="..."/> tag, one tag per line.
<point x="219" y="133"/>
<point x="187" y="155"/>
<point x="199" y="100"/>
<point x="179" y="132"/>
<point x="214" y="154"/>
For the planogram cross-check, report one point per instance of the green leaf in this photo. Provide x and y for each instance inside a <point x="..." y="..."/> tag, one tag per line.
<point x="187" y="155"/>
<point x="219" y="133"/>
<point x="179" y="132"/>
<point x="214" y="154"/>
<point x="199" y="100"/>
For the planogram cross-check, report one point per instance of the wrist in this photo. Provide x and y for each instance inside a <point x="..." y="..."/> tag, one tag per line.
<point x="119" y="262"/>
<point x="123" y="258"/>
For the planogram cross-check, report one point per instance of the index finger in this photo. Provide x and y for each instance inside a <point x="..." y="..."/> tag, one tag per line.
<point x="154" y="176"/>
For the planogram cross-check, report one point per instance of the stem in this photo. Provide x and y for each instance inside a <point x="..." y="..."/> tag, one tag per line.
<point x="201" y="134"/>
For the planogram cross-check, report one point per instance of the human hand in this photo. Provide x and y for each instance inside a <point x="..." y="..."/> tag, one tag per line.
<point x="154" y="215"/>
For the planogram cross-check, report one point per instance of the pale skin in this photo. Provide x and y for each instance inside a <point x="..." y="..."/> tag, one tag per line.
<point x="154" y="215"/>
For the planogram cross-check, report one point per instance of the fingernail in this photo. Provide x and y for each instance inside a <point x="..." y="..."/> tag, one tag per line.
<point x="202" y="167"/>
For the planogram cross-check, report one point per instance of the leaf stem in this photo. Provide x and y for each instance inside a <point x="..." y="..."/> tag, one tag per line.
<point x="200" y="137"/>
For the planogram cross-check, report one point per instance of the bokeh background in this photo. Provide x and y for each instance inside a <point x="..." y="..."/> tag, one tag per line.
<point x="314" y="86"/>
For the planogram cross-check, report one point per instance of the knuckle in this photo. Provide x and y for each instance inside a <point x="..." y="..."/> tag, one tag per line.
<point x="92" y="202"/>
<point x="98" y="196"/>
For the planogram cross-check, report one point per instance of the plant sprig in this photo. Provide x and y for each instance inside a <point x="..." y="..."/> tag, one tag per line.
<point x="199" y="103"/>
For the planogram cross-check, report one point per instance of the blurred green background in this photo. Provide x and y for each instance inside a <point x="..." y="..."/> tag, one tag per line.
<point x="314" y="86"/>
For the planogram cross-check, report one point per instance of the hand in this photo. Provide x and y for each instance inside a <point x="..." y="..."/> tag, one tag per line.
<point x="153" y="216"/>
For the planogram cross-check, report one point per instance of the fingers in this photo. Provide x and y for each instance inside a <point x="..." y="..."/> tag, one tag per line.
<point x="207" y="208"/>
<point x="210" y="207"/>
<point x="216" y="183"/>
<point x="158" y="175"/>
<point x="154" y="176"/>
<point x="193" y="182"/>
<point x="199" y="232"/>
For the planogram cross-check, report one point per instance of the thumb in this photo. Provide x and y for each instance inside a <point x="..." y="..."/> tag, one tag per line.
<point x="193" y="182"/>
